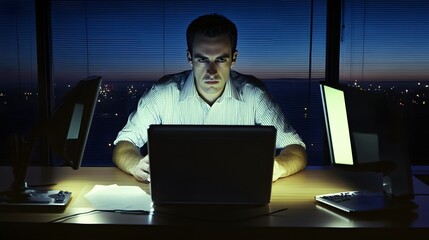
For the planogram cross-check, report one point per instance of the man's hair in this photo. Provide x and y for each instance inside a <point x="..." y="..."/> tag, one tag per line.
<point x="211" y="25"/>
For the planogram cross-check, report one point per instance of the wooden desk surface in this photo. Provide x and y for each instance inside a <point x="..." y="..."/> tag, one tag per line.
<point x="293" y="197"/>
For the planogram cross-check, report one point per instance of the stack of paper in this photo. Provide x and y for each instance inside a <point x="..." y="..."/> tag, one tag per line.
<point x="114" y="197"/>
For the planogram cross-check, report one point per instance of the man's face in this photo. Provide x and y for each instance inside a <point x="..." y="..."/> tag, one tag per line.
<point x="211" y="62"/>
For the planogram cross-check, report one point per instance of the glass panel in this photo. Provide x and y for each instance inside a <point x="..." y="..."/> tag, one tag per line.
<point x="134" y="43"/>
<point x="18" y="72"/>
<point x="384" y="48"/>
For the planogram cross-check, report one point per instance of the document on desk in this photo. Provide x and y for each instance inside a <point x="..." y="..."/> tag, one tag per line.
<point x="114" y="197"/>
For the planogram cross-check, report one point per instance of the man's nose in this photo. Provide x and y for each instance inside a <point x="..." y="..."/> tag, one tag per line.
<point x="212" y="70"/>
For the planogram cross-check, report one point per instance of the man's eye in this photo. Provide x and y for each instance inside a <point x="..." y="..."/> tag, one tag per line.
<point x="221" y="60"/>
<point x="203" y="60"/>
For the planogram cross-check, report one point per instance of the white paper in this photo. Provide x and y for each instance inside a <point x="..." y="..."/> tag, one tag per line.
<point x="114" y="197"/>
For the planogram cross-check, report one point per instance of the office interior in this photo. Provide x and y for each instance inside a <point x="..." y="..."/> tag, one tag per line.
<point x="45" y="55"/>
<point x="377" y="46"/>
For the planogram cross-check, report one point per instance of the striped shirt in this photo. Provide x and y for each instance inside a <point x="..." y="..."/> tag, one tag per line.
<point x="175" y="100"/>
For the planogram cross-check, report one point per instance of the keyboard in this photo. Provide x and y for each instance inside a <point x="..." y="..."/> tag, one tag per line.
<point x="341" y="197"/>
<point x="354" y="201"/>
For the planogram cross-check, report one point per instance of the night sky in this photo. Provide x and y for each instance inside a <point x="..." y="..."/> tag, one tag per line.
<point x="143" y="40"/>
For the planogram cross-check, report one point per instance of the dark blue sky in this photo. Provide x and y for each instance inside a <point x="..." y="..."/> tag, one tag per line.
<point x="390" y="37"/>
<point x="143" y="40"/>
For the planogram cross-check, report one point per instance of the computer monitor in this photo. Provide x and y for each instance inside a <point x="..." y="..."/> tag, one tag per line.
<point x="71" y="121"/>
<point x="66" y="132"/>
<point x="366" y="132"/>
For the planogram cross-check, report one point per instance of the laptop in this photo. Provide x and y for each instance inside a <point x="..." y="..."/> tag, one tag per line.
<point x="355" y="143"/>
<point x="211" y="164"/>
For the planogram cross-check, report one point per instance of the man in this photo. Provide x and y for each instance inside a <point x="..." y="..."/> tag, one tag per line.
<point x="211" y="93"/>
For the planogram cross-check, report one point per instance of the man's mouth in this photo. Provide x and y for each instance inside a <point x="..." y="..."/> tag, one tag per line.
<point x="211" y="81"/>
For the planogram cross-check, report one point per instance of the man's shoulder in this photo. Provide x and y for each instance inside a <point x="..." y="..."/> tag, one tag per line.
<point x="240" y="80"/>
<point x="175" y="79"/>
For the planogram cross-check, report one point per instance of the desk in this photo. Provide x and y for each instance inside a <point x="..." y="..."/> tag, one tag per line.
<point x="303" y="217"/>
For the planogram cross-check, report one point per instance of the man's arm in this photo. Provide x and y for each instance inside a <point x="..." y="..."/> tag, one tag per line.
<point x="128" y="158"/>
<point x="291" y="160"/>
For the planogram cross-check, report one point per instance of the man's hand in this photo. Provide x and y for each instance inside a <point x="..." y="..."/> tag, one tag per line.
<point x="128" y="158"/>
<point x="141" y="171"/>
<point x="277" y="171"/>
<point x="291" y="160"/>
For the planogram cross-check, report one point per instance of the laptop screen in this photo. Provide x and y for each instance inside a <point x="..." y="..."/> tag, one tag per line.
<point x="335" y="111"/>
<point x="211" y="164"/>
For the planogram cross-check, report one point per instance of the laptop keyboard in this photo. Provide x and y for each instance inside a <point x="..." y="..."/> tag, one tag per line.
<point x="341" y="197"/>
<point x="362" y="201"/>
<point x="353" y="201"/>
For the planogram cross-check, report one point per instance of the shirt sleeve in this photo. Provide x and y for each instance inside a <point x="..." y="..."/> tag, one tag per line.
<point x="269" y="113"/>
<point x="146" y="114"/>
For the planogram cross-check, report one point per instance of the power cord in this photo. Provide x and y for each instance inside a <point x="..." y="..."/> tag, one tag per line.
<point x="142" y="212"/>
<point x="68" y="217"/>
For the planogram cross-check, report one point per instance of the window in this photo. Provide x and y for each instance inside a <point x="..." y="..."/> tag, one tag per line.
<point x="18" y="71"/>
<point x="384" y="48"/>
<point x="133" y="43"/>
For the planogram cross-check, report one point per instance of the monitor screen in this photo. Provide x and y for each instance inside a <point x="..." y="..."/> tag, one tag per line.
<point x="361" y="126"/>
<point x="334" y="105"/>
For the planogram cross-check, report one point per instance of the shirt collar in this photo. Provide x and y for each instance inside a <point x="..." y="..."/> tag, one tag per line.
<point x="189" y="89"/>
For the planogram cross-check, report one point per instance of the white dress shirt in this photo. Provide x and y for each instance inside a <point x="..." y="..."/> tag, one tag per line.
<point x="175" y="100"/>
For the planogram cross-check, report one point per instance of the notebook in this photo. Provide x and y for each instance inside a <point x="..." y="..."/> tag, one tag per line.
<point x="211" y="164"/>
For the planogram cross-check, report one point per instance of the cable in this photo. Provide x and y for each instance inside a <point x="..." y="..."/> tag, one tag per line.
<point x="142" y="212"/>
<point x="68" y="217"/>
